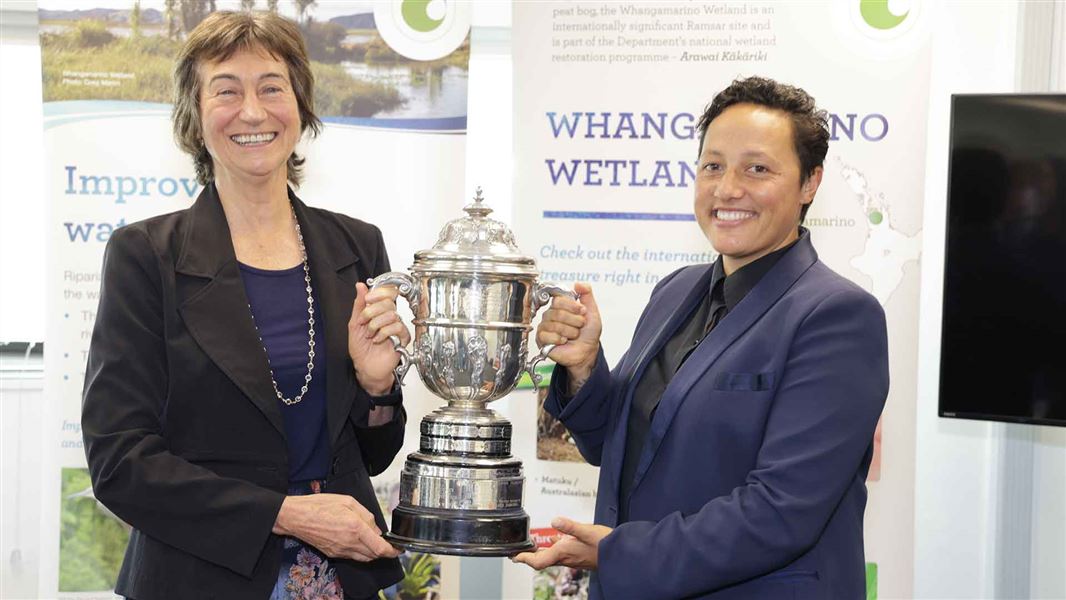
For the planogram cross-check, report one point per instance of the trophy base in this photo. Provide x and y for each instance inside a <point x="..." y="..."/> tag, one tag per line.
<point x="461" y="493"/>
<point x="462" y="533"/>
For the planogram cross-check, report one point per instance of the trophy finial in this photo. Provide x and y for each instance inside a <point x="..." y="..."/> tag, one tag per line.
<point x="477" y="209"/>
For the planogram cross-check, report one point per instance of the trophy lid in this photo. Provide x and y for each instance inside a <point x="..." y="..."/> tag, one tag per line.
<point x="476" y="243"/>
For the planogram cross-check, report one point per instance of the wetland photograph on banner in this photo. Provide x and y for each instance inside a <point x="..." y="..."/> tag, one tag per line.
<point x="125" y="51"/>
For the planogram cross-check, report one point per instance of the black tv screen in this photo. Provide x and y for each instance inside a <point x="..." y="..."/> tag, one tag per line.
<point x="1003" y="344"/>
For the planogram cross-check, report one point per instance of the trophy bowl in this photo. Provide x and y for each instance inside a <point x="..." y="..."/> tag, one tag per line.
<point x="473" y="296"/>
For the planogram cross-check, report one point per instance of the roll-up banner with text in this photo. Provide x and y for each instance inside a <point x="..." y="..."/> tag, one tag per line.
<point x="393" y="96"/>
<point x="607" y="98"/>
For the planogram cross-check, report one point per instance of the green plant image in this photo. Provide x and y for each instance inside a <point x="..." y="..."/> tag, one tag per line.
<point x="421" y="574"/>
<point x="871" y="581"/>
<point x="92" y="540"/>
<point x="421" y="579"/>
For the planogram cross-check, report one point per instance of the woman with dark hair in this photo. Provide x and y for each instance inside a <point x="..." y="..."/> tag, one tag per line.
<point x="229" y="416"/>
<point x="735" y="434"/>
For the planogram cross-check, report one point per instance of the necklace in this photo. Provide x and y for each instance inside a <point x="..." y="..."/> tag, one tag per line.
<point x="310" y="326"/>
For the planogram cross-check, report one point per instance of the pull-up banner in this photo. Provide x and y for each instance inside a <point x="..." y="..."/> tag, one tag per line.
<point x="391" y="87"/>
<point x="607" y="98"/>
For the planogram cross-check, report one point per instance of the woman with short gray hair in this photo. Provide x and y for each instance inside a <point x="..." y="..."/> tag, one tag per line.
<point x="239" y="391"/>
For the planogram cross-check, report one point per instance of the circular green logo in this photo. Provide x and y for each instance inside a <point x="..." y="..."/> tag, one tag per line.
<point x="416" y="13"/>
<point x="423" y="29"/>
<point x="877" y="15"/>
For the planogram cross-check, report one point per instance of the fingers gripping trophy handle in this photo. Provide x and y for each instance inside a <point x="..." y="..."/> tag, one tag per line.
<point x="542" y="294"/>
<point x="407" y="288"/>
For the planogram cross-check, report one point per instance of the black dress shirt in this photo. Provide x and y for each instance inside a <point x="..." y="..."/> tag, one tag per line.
<point x="724" y="294"/>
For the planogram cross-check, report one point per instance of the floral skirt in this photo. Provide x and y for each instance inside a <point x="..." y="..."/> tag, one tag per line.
<point x="305" y="573"/>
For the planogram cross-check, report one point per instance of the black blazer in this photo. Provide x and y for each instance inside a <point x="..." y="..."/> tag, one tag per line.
<point x="183" y="431"/>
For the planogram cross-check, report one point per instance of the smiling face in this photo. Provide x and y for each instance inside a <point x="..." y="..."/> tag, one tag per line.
<point x="249" y="117"/>
<point x="748" y="189"/>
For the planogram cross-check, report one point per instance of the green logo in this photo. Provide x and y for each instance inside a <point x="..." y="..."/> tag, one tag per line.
<point x="416" y="15"/>
<point x="877" y="15"/>
<point x="422" y="29"/>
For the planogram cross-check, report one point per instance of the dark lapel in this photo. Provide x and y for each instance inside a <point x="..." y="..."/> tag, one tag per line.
<point x="669" y="313"/>
<point x="333" y="276"/>
<point x="768" y="291"/>
<point x="213" y="304"/>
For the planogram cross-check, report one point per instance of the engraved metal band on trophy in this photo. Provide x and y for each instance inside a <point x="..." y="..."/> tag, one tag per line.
<point x="473" y="296"/>
<point x="469" y="431"/>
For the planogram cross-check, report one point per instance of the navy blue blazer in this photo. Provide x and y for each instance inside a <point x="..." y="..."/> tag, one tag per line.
<point x="751" y="483"/>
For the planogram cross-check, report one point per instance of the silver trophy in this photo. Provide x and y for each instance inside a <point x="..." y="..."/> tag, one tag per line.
<point x="473" y="296"/>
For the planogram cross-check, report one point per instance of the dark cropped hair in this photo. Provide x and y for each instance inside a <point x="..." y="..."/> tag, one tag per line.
<point x="217" y="38"/>
<point x="810" y="125"/>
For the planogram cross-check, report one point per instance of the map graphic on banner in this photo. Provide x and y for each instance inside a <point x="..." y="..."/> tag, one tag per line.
<point x="608" y="95"/>
<point x="886" y="250"/>
<point x="392" y="90"/>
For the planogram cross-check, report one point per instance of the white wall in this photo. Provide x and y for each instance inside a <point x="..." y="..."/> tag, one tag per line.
<point x="21" y="176"/>
<point x="1048" y="551"/>
<point x="21" y="297"/>
<point x="964" y="479"/>
<point x="22" y="405"/>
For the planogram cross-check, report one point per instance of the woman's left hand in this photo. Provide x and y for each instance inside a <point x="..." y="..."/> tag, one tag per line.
<point x="578" y="547"/>
<point x="374" y="319"/>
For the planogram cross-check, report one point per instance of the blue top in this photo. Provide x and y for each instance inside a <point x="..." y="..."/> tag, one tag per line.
<point x="278" y="300"/>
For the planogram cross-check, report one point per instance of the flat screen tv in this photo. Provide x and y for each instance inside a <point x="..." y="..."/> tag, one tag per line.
<point x="1003" y="344"/>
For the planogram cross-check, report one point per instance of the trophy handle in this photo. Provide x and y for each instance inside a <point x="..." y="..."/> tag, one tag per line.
<point x="542" y="294"/>
<point x="405" y="358"/>
<point x="409" y="290"/>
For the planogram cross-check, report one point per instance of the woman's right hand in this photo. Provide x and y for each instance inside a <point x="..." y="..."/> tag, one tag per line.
<point x="336" y="524"/>
<point x="575" y="327"/>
